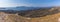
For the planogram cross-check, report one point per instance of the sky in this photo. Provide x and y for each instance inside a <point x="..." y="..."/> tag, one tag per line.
<point x="34" y="3"/>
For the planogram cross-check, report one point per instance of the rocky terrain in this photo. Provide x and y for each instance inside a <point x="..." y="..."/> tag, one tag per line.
<point x="40" y="15"/>
<point x="40" y="12"/>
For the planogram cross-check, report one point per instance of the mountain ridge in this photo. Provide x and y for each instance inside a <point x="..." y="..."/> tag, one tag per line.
<point x="41" y="12"/>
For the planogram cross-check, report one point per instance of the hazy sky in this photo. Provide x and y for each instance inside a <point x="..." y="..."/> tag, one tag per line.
<point x="38" y="3"/>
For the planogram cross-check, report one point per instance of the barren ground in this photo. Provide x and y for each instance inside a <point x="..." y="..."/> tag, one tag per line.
<point x="4" y="17"/>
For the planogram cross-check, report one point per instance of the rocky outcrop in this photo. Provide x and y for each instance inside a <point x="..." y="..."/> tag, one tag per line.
<point x="40" y="12"/>
<point x="44" y="15"/>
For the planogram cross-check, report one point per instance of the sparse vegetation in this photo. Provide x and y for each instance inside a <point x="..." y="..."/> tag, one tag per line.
<point x="39" y="15"/>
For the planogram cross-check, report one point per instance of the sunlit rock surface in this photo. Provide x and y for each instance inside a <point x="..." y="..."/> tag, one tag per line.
<point x="5" y="17"/>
